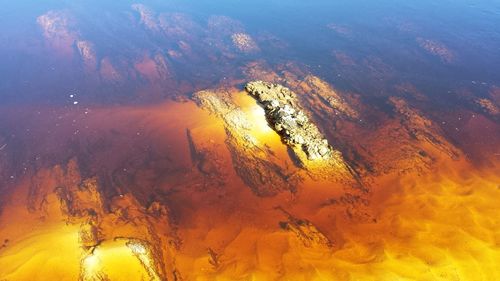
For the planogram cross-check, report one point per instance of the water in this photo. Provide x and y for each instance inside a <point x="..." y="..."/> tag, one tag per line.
<point x="380" y="38"/>
<point x="104" y="92"/>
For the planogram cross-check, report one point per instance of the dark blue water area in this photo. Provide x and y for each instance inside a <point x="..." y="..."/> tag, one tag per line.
<point x="380" y="37"/>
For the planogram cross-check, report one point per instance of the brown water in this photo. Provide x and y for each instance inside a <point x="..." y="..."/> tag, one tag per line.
<point x="99" y="128"/>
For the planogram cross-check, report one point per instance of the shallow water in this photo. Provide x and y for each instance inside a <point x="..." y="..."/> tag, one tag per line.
<point x="105" y="92"/>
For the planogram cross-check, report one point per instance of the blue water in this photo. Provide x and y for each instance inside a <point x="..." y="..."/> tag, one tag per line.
<point x="380" y="37"/>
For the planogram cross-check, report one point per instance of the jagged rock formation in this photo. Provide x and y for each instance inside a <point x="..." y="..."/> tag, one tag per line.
<point x="250" y="160"/>
<point x="348" y="122"/>
<point x="289" y="120"/>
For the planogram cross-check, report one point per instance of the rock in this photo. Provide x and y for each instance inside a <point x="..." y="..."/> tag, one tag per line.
<point x="88" y="235"/>
<point x="109" y="72"/>
<point x="244" y="42"/>
<point x="310" y="147"/>
<point x="436" y="48"/>
<point x="289" y="120"/>
<point x="148" y="18"/>
<point x="488" y="107"/>
<point x="306" y="232"/>
<point x="422" y="128"/>
<point x="144" y="251"/>
<point x="323" y="98"/>
<point x="153" y="68"/>
<point x="87" y="53"/>
<point x="57" y="30"/>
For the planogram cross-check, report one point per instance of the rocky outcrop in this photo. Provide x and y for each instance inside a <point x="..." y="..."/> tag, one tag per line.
<point x="289" y="120"/>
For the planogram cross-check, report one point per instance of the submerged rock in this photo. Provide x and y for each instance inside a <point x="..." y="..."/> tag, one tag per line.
<point x="87" y="54"/>
<point x="423" y="129"/>
<point x="306" y="232"/>
<point x="488" y="107"/>
<point x="436" y="48"/>
<point x="244" y="42"/>
<point x="148" y="18"/>
<point x="254" y="165"/>
<point x="289" y="120"/>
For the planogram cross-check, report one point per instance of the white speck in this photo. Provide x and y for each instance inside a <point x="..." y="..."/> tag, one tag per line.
<point x="71" y="96"/>
<point x="75" y="102"/>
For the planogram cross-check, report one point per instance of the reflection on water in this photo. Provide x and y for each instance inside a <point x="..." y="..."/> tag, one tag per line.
<point x="127" y="140"/>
